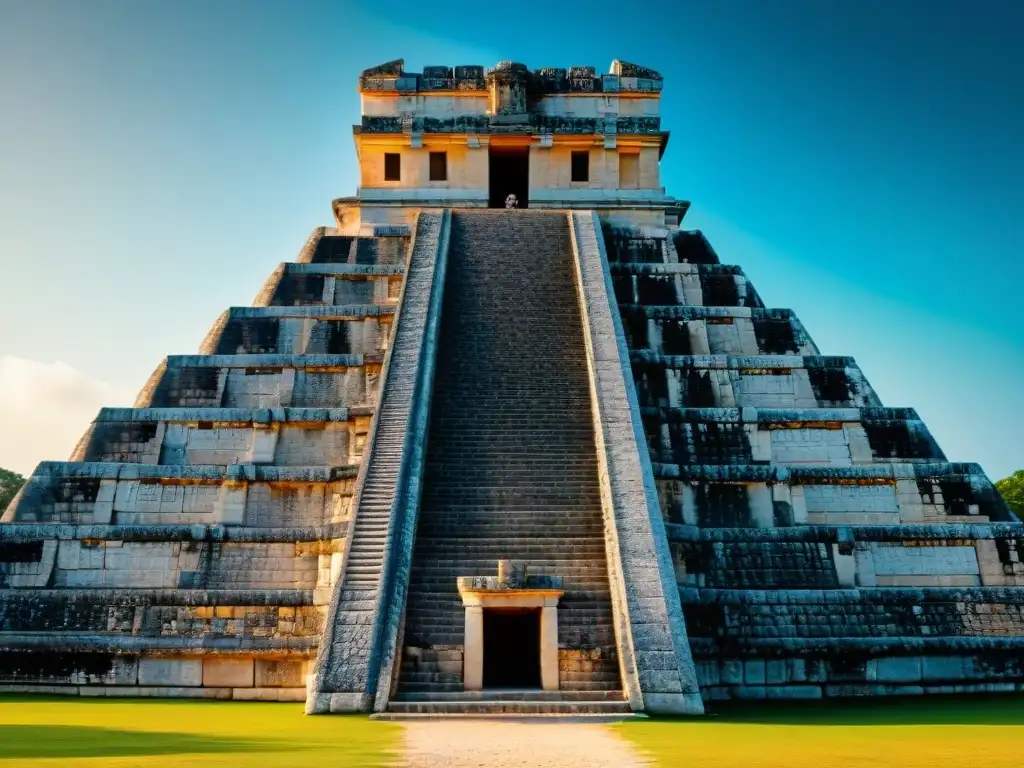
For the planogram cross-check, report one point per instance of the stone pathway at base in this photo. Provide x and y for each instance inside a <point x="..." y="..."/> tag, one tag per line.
<point x="479" y="743"/>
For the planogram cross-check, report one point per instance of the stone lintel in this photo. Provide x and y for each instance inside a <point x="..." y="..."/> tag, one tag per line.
<point x="476" y="600"/>
<point x="510" y="598"/>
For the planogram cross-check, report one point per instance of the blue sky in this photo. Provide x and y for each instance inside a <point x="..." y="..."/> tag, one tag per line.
<point x="862" y="161"/>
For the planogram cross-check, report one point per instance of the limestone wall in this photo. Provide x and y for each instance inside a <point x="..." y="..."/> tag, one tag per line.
<point x="863" y="674"/>
<point x="331" y="284"/>
<point x="822" y="544"/>
<point x="467" y="168"/>
<point x="427" y="104"/>
<point x="826" y="611"/>
<point x="190" y="546"/>
<point x="167" y="495"/>
<point x="222" y="436"/>
<point x="551" y="168"/>
<point x="263" y="381"/>
<point x="702" y="331"/>
<point x="811" y="437"/>
<point x="314" y="330"/>
<point x="776" y="381"/>
<point x="330" y="246"/>
<point x="698" y="285"/>
<point x="750" y="496"/>
<point x="820" y="557"/>
<point x="218" y="676"/>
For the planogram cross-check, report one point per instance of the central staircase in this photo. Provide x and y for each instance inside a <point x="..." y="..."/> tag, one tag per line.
<point x="511" y="468"/>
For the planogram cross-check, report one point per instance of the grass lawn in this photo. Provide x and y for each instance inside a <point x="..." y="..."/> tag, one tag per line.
<point x="906" y="733"/>
<point x="144" y="732"/>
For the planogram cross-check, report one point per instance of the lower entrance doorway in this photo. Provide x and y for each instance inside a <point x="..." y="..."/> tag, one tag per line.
<point x="512" y="648"/>
<point x="509" y="174"/>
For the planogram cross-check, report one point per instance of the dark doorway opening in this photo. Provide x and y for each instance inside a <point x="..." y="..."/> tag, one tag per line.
<point x="509" y="174"/>
<point x="512" y="648"/>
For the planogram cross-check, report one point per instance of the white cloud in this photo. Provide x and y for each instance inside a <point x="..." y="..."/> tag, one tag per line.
<point x="45" y="408"/>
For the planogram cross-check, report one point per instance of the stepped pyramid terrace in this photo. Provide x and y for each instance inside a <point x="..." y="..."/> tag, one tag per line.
<point x="460" y="457"/>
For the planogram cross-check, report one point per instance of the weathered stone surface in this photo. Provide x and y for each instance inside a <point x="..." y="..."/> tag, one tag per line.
<point x="171" y="672"/>
<point x="230" y="673"/>
<point x="729" y="512"/>
<point x="368" y="600"/>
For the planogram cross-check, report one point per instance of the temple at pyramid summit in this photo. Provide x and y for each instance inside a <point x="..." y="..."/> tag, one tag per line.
<point x="506" y="438"/>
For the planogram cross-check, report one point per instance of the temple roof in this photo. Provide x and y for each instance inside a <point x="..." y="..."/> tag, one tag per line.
<point x="622" y="76"/>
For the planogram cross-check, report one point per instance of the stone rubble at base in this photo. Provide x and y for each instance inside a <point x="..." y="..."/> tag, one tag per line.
<point x="430" y="388"/>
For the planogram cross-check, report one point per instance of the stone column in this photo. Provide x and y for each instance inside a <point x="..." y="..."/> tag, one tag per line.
<point x="549" y="648"/>
<point x="473" y="652"/>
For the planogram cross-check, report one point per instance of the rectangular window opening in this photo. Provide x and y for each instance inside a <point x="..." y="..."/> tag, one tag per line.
<point x="581" y="166"/>
<point x="439" y="166"/>
<point x="392" y="166"/>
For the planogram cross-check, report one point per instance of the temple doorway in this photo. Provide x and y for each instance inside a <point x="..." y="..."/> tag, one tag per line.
<point x="509" y="170"/>
<point x="512" y="648"/>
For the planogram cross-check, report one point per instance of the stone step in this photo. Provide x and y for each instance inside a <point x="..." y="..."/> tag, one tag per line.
<point x="417" y="675"/>
<point x="535" y="562"/>
<point x="572" y="584"/>
<point x="503" y="526"/>
<point x="429" y="617"/>
<point x="576" y="593"/>
<point x="427" y="689"/>
<point x="526" y="494"/>
<point x="444" y="587"/>
<point x="589" y="681"/>
<point x="509" y="707"/>
<point x="511" y="695"/>
<point x="512" y="467"/>
<point x="570" y="573"/>
<point x="525" y="547"/>
<point x="490" y="513"/>
<point x="568" y="612"/>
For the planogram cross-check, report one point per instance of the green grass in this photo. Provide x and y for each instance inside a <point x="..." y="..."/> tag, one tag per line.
<point x="905" y="733"/>
<point x="41" y="732"/>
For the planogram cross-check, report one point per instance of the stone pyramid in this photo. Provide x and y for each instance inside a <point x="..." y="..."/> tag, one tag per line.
<point x="696" y="504"/>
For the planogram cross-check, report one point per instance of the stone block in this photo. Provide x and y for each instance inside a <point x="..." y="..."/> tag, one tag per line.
<point x="230" y="673"/>
<point x="68" y="555"/>
<point x="776" y="671"/>
<point x="797" y="670"/>
<point x="661" y="681"/>
<point x="762" y="510"/>
<point x="898" y="669"/>
<point x="944" y="667"/>
<point x="754" y="672"/>
<point x="846" y="568"/>
<point x="750" y="692"/>
<point x="230" y="509"/>
<point x="125" y="671"/>
<point x="673" y="703"/>
<point x="707" y="673"/>
<point x="732" y="672"/>
<point x="275" y="673"/>
<point x="268" y="694"/>
<point x="170" y="672"/>
<point x="794" y="692"/>
<point x="164" y="692"/>
<point x="342" y="703"/>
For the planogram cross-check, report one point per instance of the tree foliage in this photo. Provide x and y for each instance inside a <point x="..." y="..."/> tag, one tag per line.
<point x="10" y="484"/>
<point x="1012" y="488"/>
